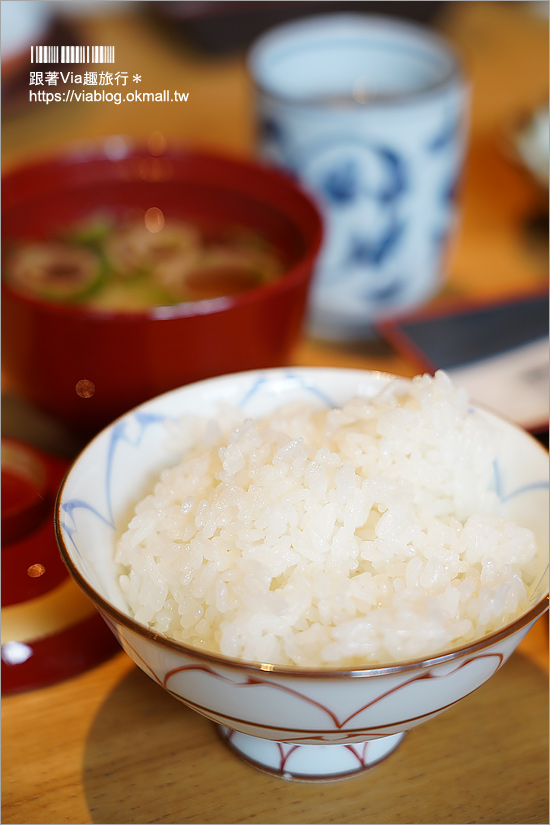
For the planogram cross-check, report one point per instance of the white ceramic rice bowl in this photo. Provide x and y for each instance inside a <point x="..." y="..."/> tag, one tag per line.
<point x="301" y="723"/>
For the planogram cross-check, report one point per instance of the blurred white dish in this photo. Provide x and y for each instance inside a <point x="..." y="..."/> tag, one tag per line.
<point x="530" y="144"/>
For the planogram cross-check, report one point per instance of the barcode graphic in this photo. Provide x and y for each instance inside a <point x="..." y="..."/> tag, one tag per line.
<point x="72" y="54"/>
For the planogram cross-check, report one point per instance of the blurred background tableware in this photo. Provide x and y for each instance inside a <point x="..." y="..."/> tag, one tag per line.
<point x="498" y="351"/>
<point x="23" y="25"/>
<point x="49" y="632"/>
<point x="86" y="364"/>
<point x="369" y="113"/>
<point x="527" y="142"/>
<point x="305" y="723"/>
<point x="221" y="28"/>
<point x="27" y="25"/>
<point x="532" y="139"/>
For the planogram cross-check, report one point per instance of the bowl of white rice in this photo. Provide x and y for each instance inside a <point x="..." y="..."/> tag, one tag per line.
<point x="317" y="560"/>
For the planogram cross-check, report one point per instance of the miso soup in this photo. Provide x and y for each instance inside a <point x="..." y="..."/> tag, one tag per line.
<point x="137" y="261"/>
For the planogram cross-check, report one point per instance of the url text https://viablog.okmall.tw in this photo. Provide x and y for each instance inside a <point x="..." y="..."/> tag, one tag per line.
<point x="104" y="96"/>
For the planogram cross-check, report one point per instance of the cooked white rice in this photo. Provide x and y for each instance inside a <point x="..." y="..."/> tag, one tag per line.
<point x="363" y="535"/>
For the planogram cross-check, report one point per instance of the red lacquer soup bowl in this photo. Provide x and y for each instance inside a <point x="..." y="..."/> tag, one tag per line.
<point x="87" y="365"/>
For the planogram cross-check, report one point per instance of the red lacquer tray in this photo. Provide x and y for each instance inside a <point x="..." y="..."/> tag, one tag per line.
<point x="50" y="631"/>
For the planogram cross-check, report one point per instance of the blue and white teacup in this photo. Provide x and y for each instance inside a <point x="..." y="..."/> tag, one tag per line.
<point x="369" y="114"/>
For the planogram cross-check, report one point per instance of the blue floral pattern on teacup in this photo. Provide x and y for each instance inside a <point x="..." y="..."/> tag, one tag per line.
<point x="367" y="193"/>
<point x="368" y="116"/>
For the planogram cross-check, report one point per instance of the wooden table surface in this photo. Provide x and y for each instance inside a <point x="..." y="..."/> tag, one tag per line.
<point x="109" y="746"/>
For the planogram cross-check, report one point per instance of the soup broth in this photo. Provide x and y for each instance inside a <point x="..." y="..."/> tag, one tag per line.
<point x="137" y="261"/>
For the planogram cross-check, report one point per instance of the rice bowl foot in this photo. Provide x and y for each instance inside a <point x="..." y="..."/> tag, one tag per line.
<point x="310" y="763"/>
